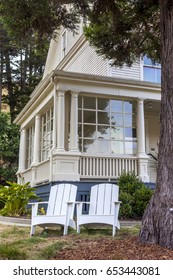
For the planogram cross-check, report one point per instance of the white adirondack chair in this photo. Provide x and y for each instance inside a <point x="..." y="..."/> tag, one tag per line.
<point x="103" y="207"/>
<point x="60" y="208"/>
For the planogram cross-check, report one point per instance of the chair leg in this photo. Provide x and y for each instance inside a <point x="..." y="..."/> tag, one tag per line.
<point x="113" y="230"/>
<point x="78" y="229"/>
<point x="65" y="230"/>
<point x="32" y="230"/>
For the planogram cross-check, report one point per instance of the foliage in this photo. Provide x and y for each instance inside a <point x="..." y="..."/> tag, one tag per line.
<point x="134" y="196"/>
<point x="9" y="147"/>
<point x="15" y="198"/>
<point x="22" y="65"/>
<point x="40" y="19"/>
<point x="122" y="31"/>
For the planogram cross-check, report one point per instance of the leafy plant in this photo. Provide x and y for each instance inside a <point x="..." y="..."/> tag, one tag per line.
<point x="133" y="194"/>
<point x="15" y="198"/>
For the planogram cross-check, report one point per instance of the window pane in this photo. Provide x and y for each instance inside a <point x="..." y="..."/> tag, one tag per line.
<point x="103" y="104"/>
<point x="147" y="61"/>
<point x="80" y="130"/>
<point x="89" y="117"/>
<point x="80" y="101"/>
<point x="90" y="146"/>
<point x="103" y="146"/>
<point x="117" y="147"/>
<point x="130" y="133"/>
<point x="117" y="119"/>
<point x="89" y="102"/>
<point x="129" y="107"/>
<point x="149" y="74"/>
<point x="117" y="133"/>
<point x="103" y="118"/>
<point x="116" y="106"/>
<point x="90" y="131"/>
<point x="129" y="120"/>
<point x="130" y="148"/>
<point x="79" y="115"/>
<point x="103" y="132"/>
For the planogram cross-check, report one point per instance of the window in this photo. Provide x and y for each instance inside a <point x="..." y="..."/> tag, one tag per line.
<point x="30" y="145"/>
<point x="64" y="43"/>
<point x="106" y="126"/>
<point x="152" y="70"/>
<point x="46" y="134"/>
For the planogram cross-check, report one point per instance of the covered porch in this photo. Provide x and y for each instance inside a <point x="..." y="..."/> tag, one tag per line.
<point x="84" y="127"/>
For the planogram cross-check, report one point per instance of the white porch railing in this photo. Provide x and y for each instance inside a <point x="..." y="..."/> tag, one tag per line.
<point x="106" y="167"/>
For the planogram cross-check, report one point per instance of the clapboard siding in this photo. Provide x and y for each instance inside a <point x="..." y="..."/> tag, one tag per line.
<point x="55" y="50"/>
<point x="133" y="72"/>
<point x="87" y="61"/>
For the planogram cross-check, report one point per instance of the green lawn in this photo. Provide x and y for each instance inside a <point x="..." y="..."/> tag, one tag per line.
<point x="16" y="243"/>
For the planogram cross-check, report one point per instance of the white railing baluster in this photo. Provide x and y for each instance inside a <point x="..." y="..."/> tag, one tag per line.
<point x="106" y="167"/>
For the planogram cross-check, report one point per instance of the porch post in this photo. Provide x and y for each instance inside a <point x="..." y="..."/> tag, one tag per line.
<point x="73" y="145"/>
<point x="55" y="104"/>
<point x="60" y="121"/>
<point x="142" y="157"/>
<point x="22" y="150"/>
<point x="36" y="152"/>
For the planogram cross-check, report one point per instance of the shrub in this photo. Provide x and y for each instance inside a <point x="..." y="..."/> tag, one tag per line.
<point x="15" y="198"/>
<point x="134" y="196"/>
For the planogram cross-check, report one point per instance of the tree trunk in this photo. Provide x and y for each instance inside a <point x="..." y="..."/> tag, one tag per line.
<point x="157" y="224"/>
<point x="9" y="84"/>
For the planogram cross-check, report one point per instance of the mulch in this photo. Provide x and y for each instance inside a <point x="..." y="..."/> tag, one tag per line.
<point x="104" y="248"/>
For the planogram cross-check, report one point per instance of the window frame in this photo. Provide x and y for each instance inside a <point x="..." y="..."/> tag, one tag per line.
<point x="152" y="66"/>
<point x="30" y="145"/>
<point x="46" y="134"/>
<point x="107" y="138"/>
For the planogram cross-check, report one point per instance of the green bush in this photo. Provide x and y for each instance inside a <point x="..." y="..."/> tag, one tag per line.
<point x="134" y="196"/>
<point x="15" y="198"/>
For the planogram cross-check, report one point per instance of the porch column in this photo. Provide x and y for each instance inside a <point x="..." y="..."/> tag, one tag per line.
<point x="60" y="120"/>
<point x="73" y="145"/>
<point x="142" y="157"/>
<point x="22" y="150"/>
<point x="36" y="152"/>
<point x="55" y="104"/>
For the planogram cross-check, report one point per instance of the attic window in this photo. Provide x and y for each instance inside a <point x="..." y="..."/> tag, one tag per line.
<point x="64" y="43"/>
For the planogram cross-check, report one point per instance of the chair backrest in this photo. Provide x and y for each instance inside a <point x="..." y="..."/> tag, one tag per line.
<point x="59" y="195"/>
<point x="101" y="199"/>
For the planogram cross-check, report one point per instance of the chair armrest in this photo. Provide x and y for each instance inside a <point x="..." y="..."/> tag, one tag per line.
<point x="37" y="203"/>
<point x="117" y="202"/>
<point x="82" y="202"/>
<point x="79" y="205"/>
<point x="35" y="206"/>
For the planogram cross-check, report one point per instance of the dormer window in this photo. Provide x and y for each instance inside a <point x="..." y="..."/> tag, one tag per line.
<point x="151" y="70"/>
<point x="64" y="43"/>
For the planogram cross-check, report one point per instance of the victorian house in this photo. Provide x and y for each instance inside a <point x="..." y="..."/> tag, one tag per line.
<point x="86" y="121"/>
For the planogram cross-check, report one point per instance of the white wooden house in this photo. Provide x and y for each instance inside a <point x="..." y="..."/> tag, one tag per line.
<point x="87" y="121"/>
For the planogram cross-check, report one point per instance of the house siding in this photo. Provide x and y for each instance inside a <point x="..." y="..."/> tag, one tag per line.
<point x="133" y="72"/>
<point x="87" y="61"/>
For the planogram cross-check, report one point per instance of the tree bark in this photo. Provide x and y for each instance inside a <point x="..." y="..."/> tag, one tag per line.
<point x="157" y="224"/>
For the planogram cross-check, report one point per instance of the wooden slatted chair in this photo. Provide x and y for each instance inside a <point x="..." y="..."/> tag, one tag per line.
<point x="60" y="208"/>
<point x="103" y="207"/>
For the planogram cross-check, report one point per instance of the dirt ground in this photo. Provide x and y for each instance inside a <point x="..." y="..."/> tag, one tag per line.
<point x="105" y="248"/>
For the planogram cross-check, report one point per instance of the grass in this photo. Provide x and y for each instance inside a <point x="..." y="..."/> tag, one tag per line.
<point x="16" y="243"/>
